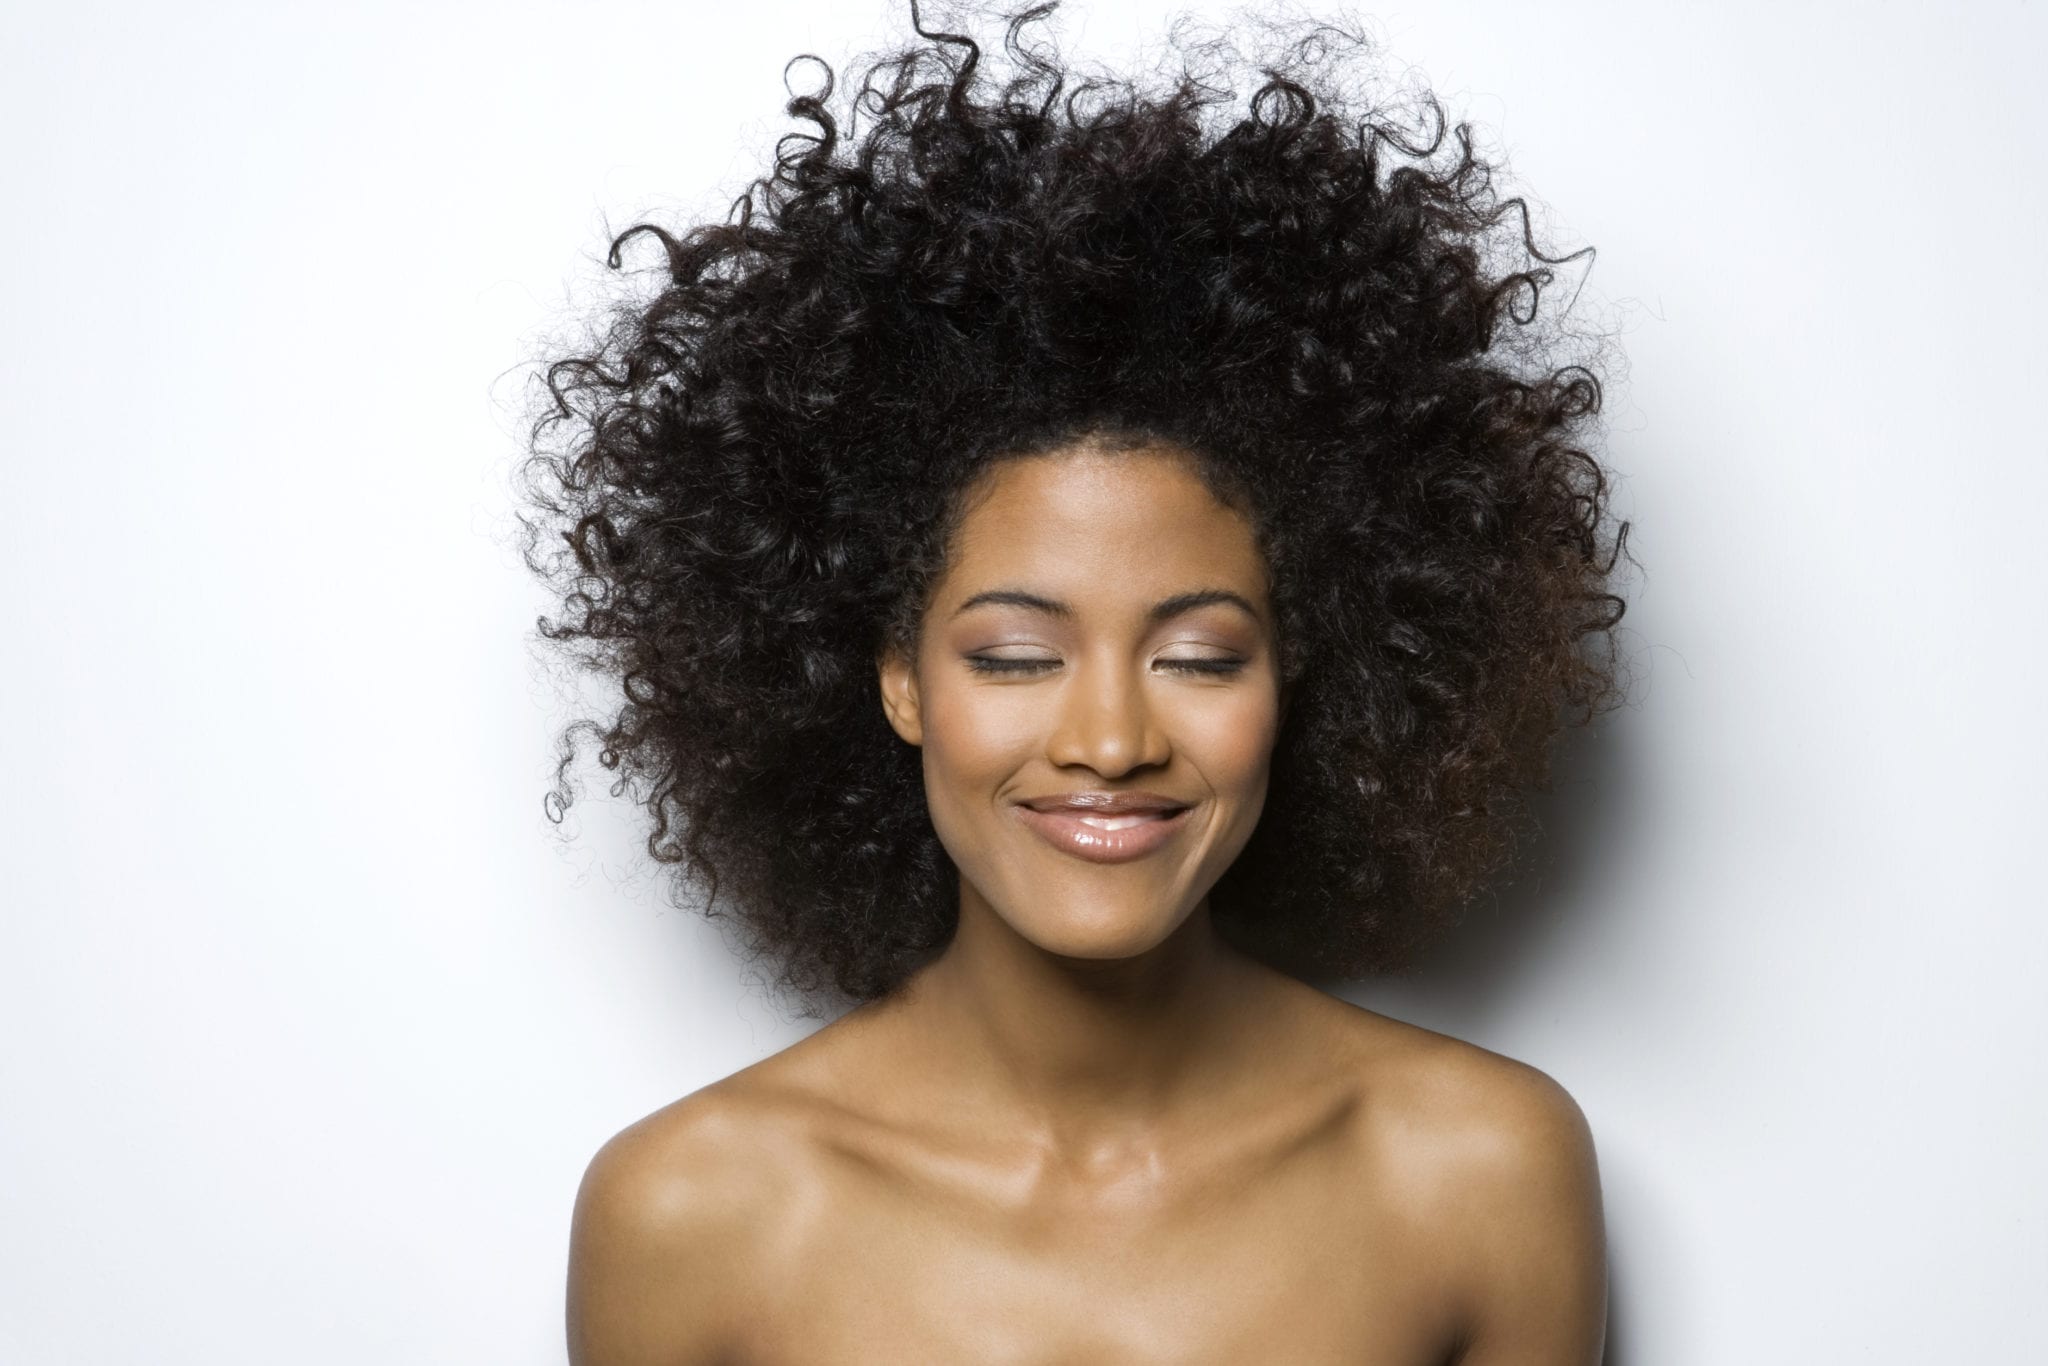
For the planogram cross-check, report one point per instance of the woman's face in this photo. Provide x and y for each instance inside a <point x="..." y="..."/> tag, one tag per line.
<point x="1101" y="633"/>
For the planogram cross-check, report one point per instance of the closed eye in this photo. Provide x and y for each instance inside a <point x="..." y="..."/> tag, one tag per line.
<point x="986" y="665"/>
<point x="991" y="665"/>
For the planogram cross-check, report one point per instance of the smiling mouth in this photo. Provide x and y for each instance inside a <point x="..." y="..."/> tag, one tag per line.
<point x="1096" y="838"/>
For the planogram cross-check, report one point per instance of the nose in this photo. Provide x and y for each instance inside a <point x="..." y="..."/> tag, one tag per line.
<point x="1106" y="721"/>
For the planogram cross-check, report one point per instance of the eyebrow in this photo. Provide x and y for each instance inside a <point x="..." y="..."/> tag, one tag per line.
<point x="1162" y="610"/>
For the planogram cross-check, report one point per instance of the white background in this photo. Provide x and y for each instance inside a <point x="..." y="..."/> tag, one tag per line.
<point x="309" y="1022"/>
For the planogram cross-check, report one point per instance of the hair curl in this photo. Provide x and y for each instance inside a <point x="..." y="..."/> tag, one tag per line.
<point x="742" y="487"/>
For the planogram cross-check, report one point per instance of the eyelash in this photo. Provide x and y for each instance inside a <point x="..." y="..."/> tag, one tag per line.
<point x="984" y="664"/>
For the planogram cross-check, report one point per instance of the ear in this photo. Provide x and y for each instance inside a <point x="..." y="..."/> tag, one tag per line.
<point x="898" y="678"/>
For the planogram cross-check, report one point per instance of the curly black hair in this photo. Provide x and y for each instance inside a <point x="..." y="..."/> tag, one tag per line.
<point x="741" y="487"/>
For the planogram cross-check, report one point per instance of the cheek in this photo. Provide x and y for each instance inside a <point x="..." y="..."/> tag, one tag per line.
<point x="976" y="737"/>
<point x="1232" y="740"/>
<point x="975" y="742"/>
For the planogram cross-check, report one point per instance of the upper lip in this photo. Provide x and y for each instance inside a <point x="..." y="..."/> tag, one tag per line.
<point x="1104" y="803"/>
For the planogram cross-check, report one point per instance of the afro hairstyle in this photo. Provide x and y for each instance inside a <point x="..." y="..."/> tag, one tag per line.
<point x="739" y="489"/>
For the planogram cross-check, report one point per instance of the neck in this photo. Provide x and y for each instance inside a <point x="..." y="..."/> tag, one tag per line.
<point x="1085" y="1053"/>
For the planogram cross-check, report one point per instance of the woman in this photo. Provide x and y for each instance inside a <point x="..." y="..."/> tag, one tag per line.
<point x="1080" y="560"/>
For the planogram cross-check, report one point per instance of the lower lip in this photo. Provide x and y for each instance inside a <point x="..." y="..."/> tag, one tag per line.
<point x="1068" y="833"/>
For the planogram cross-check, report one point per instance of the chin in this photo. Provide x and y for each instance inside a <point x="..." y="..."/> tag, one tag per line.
<point x="1101" y="932"/>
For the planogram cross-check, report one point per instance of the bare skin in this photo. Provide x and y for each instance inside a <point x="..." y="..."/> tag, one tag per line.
<point x="1090" y="1132"/>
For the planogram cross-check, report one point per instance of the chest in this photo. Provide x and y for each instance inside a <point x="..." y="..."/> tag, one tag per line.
<point x="1279" y="1266"/>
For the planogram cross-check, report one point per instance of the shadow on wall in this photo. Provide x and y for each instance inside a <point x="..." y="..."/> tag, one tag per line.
<point x="1502" y="956"/>
<point x="1639" y="1238"/>
<point x="1620" y="1351"/>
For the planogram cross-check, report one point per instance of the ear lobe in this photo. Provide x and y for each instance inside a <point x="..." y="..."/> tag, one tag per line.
<point x="899" y="696"/>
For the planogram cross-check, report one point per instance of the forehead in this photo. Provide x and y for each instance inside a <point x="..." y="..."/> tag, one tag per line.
<point x="1126" y="520"/>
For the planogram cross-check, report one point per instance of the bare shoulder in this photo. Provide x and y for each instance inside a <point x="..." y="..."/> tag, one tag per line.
<point x="1497" y="1161"/>
<point x="1479" y="1111"/>
<point x="679" y="1218"/>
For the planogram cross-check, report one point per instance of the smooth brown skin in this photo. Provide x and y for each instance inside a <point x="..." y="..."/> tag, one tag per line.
<point x="1090" y="1132"/>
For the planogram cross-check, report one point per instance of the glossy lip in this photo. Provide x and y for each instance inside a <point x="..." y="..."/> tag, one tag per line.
<point x="1060" y="821"/>
<point x="1102" y="800"/>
